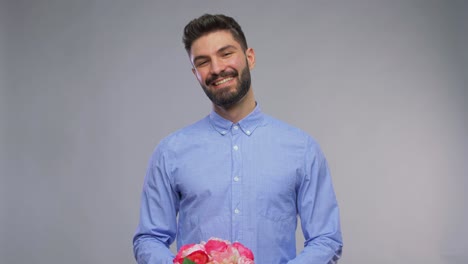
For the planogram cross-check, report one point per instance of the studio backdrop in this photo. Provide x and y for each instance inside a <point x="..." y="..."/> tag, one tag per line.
<point x="89" y="88"/>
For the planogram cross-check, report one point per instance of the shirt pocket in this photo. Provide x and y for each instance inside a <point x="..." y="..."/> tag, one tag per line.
<point x="276" y="199"/>
<point x="275" y="209"/>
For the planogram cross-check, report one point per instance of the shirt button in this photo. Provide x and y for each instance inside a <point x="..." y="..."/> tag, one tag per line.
<point x="236" y="127"/>
<point x="235" y="147"/>
<point x="223" y="132"/>
<point x="236" y="211"/>
<point x="248" y="132"/>
<point x="236" y="179"/>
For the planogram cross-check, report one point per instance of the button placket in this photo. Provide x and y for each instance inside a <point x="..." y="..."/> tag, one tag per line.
<point x="236" y="186"/>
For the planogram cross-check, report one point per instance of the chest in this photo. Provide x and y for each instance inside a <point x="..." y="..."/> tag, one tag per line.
<point x="259" y="166"/>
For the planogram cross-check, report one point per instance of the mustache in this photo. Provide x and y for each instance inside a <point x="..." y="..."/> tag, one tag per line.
<point x="222" y="74"/>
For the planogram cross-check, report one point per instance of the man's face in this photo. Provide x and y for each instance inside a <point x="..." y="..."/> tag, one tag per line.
<point x="222" y="67"/>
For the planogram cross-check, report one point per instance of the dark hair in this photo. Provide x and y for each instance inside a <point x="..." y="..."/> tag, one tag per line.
<point x="210" y="23"/>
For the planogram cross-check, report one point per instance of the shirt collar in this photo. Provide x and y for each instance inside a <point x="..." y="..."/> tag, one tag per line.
<point x="247" y="125"/>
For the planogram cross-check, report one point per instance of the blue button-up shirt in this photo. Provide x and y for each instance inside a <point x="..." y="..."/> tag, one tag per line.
<point x="243" y="182"/>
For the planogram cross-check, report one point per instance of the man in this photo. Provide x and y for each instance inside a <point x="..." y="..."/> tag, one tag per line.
<point x="238" y="174"/>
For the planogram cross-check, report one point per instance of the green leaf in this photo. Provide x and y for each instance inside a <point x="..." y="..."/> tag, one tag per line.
<point x="188" y="261"/>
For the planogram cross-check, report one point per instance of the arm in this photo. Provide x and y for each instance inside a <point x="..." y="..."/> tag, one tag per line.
<point x="159" y="206"/>
<point x="318" y="211"/>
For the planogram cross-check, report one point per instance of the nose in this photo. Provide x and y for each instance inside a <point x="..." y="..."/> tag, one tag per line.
<point x="216" y="66"/>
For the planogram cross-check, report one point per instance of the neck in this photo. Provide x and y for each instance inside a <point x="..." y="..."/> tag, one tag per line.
<point x="238" y="111"/>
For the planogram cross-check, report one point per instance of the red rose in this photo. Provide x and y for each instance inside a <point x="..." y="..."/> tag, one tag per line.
<point x="199" y="257"/>
<point x="243" y="251"/>
<point x="194" y="252"/>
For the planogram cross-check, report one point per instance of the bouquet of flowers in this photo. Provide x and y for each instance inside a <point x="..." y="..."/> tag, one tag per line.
<point x="214" y="251"/>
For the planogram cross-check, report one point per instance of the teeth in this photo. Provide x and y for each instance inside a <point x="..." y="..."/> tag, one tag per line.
<point x="223" y="81"/>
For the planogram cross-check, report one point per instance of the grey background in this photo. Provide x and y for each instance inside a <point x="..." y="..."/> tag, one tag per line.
<point x="88" y="88"/>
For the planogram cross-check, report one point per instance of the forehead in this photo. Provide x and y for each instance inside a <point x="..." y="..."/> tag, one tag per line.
<point x="210" y="43"/>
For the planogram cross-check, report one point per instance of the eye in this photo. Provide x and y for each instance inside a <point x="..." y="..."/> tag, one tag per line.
<point x="201" y="63"/>
<point x="227" y="54"/>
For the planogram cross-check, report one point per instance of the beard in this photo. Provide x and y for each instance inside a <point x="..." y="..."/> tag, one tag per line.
<point x="224" y="97"/>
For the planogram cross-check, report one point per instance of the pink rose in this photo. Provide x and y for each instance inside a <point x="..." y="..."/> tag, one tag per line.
<point x="184" y="248"/>
<point x="215" y="244"/>
<point x="245" y="260"/>
<point x="243" y="251"/>
<point x="215" y="251"/>
<point x="229" y="255"/>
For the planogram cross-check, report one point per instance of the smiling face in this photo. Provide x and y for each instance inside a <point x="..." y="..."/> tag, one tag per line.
<point x="222" y="67"/>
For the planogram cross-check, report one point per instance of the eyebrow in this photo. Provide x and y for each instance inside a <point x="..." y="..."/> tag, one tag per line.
<point x="226" y="47"/>
<point x="218" y="51"/>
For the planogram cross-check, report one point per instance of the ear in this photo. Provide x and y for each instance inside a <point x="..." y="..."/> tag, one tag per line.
<point x="250" y="54"/>
<point x="193" y="66"/>
<point x="196" y="74"/>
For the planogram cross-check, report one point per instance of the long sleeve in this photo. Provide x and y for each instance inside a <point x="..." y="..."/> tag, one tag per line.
<point x="318" y="211"/>
<point x="243" y="182"/>
<point x="159" y="206"/>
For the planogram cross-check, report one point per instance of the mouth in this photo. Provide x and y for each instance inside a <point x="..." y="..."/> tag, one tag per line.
<point x="222" y="81"/>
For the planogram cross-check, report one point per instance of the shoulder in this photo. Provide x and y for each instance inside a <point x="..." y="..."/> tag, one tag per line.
<point x="183" y="136"/>
<point x="287" y="129"/>
<point x="293" y="135"/>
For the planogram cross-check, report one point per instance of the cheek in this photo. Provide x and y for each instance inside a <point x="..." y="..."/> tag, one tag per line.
<point x="199" y="76"/>
<point x="241" y="64"/>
